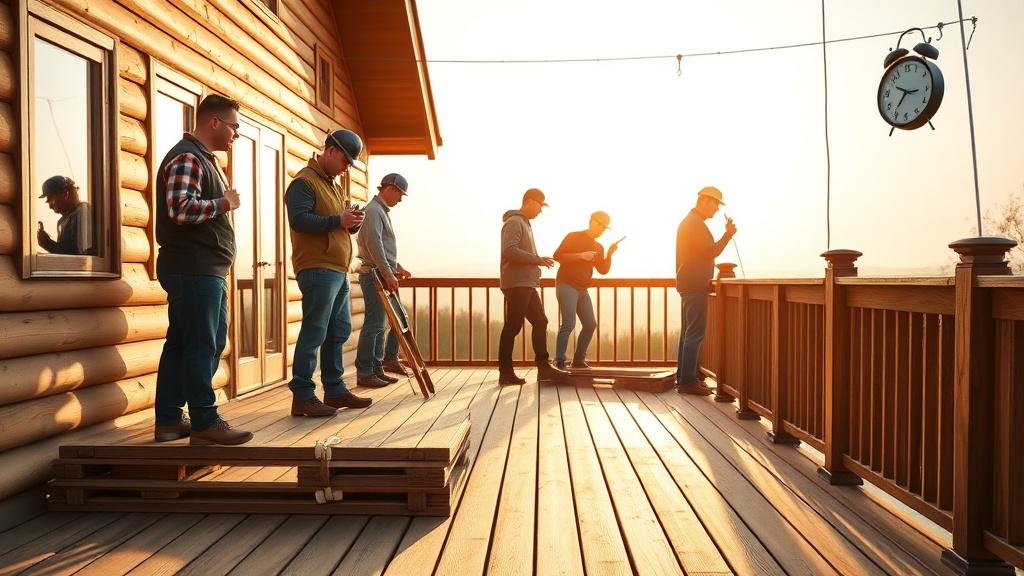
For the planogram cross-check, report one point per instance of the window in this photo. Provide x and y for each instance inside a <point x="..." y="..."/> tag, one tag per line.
<point x="174" y="113"/>
<point x="324" y="81"/>
<point x="69" y="161"/>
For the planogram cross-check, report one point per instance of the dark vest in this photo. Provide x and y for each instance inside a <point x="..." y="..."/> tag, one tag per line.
<point x="205" y="249"/>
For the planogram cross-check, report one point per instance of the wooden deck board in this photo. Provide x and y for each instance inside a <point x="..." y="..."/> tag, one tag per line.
<point x="558" y="480"/>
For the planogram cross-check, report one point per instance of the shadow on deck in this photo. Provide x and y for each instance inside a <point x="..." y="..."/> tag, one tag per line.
<point x="559" y="480"/>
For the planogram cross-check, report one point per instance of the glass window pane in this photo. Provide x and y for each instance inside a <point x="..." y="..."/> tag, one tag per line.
<point x="61" y="151"/>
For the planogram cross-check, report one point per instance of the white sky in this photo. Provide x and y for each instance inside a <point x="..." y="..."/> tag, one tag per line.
<point x="636" y="140"/>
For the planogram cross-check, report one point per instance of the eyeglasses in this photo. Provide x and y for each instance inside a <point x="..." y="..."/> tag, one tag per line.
<point x="234" y="125"/>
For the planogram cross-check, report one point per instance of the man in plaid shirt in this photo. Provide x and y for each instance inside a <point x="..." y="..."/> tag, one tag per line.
<point x="197" y="248"/>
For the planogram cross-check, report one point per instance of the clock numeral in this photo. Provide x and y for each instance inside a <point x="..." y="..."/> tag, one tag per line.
<point x="886" y="94"/>
<point x="906" y="115"/>
<point x="924" y="101"/>
<point x="927" y="88"/>
<point x="917" y="110"/>
<point x="910" y="67"/>
<point x="888" y="106"/>
<point x="895" y="76"/>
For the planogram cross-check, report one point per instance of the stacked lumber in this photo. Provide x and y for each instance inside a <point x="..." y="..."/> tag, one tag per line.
<point x="327" y="478"/>
<point x="639" y="379"/>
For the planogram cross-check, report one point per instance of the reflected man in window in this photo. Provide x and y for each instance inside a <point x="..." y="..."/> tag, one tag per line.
<point x="74" y="229"/>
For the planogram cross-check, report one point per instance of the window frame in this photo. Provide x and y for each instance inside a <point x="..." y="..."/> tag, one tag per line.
<point x="164" y="79"/>
<point x="49" y="25"/>
<point x="324" y="81"/>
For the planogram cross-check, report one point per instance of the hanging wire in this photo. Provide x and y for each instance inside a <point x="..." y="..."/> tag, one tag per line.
<point x="828" y="153"/>
<point x="677" y="57"/>
<point x="970" y="110"/>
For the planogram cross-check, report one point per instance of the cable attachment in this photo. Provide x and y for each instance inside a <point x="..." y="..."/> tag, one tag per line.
<point x="939" y="26"/>
<point x="679" y="64"/>
<point x="974" y="27"/>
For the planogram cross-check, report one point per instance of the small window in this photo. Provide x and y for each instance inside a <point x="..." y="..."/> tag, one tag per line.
<point x="324" y="80"/>
<point x="174" y="110"/>
<point x="69" y="113"/>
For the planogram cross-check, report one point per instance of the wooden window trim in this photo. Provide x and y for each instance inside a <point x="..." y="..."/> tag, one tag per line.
<point x="39" y="20"/>
<point x="324" y="57"/>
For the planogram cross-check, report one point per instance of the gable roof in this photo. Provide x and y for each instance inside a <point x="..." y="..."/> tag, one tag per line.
<point x="386" y="63"/>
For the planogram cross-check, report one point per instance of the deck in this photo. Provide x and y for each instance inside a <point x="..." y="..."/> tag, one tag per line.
<point x="560" y="480"/>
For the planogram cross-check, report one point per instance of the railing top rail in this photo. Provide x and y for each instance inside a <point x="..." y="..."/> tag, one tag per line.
<point x="1001" y="281"/>
<point x="775" y="281"/>
<point x="898" y="281"/>
<point x="544" y="282"/>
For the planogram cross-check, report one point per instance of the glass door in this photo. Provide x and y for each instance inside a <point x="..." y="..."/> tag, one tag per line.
<point x="258" y="310"/>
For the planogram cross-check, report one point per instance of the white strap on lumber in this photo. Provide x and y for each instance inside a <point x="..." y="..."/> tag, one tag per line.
<point x="322" y="451"/>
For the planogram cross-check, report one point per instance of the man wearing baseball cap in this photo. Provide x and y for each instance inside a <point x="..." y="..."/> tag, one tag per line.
<point x="379" y="250"/>
<point x="696" y="250"/>
<point x="74" y="228"/>
<point x="520" y="279"/>
<point x="578" y="256"/>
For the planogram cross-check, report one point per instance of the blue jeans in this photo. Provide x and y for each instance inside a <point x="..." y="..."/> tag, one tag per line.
<point x="326" y="326"/>
<point x="522" y="304"/>
<point x="197" y="329"/>
<point x="572" y="303"/>
<point x="374" y="349"/>
<point x="694" y="324"/>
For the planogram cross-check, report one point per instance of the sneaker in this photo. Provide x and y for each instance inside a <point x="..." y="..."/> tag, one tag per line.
<point x="548" y="373"/>
<point x="560" y="364"/>
<point x="395" y="367"/>
<point x="694" y="388"/>
<point x="312" y="407"/>
<point x="371" y="381"/>
<point x="382" y="376"/>
<point x="220" y="433"/>
<point x="510" y="378"/>
<point x="347" y="400"/>
<point x="173" y="432"/>
<point x="580" y="362"/>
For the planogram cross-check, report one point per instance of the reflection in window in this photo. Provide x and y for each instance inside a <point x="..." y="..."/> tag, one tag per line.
<point x="60" y="140"/>
<point x="70" y="155"/>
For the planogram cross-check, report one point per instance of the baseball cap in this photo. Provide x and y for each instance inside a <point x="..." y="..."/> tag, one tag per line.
<point x="535" y="194"/>
<point x="713" y="193"/>
<point x="56" y="185"/>
<point x="601" y="218"/>
<point x="396" y="180"/>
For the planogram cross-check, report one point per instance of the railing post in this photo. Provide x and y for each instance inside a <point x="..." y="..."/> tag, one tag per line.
<point x="725" y="270"/>
<point x="837" y="370"/>
<point x="973" y="410"/>
<point x="779" y="389"/>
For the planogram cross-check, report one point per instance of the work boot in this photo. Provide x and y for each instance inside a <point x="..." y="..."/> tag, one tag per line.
<point x="579" y="362"/>
<point x="395" y="367"/>
<point x="312" y="407"/>
<point x="694" y="388"/>
<point x="548" y="373"/>
<point x="560" y="364"/>
<point x="220" y="433"/>
<point x="347" y="400"/>
<point x="173" y="432"/>
<point x="382" y="376"/>
<point x="510" y="378"/>
<point x="371" y="381"/>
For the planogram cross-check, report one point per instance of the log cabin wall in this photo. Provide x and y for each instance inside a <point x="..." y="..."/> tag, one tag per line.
<point x="77" y="356"/>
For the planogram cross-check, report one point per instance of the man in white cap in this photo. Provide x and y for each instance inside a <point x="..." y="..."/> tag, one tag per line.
<point x="578" y="256"/>
<point x="696" y="250"/>
<point x="378" y="249"/>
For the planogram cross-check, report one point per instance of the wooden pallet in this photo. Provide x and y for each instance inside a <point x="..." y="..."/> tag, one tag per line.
<point x="267" y="479"/>
<point x="645" y="380"/>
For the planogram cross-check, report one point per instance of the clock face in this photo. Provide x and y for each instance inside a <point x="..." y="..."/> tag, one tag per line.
<point x="910" y="92"/>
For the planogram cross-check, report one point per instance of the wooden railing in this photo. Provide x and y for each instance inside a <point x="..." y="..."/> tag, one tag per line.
<point x="457" y="321"/>
<point x="915" y="385"/>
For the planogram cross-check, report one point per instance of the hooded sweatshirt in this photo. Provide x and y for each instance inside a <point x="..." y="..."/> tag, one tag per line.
<point x="520" y="264"/>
